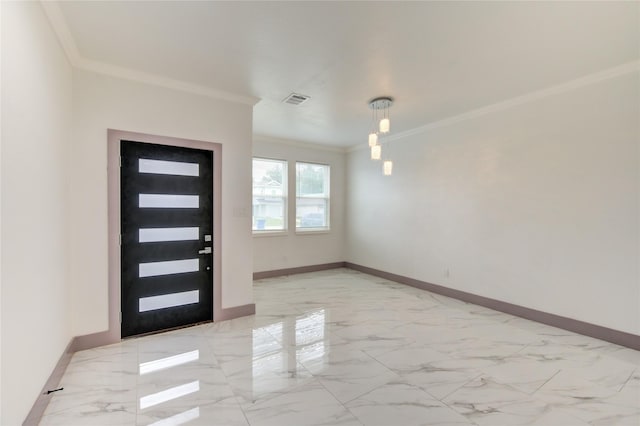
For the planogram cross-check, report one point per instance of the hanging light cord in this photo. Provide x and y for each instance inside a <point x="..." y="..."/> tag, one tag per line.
<point x="373" y="120"/>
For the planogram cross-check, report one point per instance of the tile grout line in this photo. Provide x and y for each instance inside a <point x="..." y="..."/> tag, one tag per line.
<point x="457" y="389"/>
<point x="627" y="381"/>
<point x="547" y="381"/>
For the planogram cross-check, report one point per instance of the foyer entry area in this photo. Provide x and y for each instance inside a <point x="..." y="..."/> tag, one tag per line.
<point x="340" y="347"/>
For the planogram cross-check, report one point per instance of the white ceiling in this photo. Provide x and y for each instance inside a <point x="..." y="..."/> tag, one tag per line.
<point x="437" y="59"/>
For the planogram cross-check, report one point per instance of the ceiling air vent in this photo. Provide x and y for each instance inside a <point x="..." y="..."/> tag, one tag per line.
<point x="296" y="99"/>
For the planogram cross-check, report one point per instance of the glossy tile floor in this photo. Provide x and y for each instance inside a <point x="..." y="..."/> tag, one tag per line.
<point x="344" y="348"/>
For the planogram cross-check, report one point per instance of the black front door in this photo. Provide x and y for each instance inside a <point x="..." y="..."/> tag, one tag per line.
<point x="167" y="236"/>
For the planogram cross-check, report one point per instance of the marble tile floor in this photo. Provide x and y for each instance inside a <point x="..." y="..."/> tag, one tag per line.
<point x="343" y="348"/>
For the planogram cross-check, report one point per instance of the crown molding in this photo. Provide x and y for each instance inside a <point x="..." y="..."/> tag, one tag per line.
<point x="166" y="82"/>
<point x="60" y="27"/>
<point x="299" y="144"/>
<point x="620" y="70"/>
<point x="59" y="24"/>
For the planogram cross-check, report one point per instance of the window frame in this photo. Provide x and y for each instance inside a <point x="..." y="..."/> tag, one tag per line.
<point x="285" y="199"/>
<point x="326" y="198"/>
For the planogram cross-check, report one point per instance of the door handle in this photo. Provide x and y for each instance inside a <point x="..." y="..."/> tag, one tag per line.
<point x="206" y="250"/>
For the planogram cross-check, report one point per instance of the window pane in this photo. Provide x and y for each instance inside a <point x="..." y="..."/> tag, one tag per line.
<point x="312" y="190"/>
<point x="154" y="269"/>
<point x="269" y="195"/>
<point x="268" y="213"/>
<point x="168" y="201"/>
<point x="152" y="235"/>
<point x="312" y="213"/>
<point x="312" y="180"/>
<point x="168" y="300"/>
<point x="162" y="167"/>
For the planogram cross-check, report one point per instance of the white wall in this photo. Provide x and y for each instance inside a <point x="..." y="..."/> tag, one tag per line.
<point x="102" y="102"/>
<point x="295" y="249"/>
<point x="36" y="128"/>
<point x="536" y="205"/>
<point x="1" y="116"/>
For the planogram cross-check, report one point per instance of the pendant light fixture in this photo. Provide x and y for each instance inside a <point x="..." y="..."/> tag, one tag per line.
<point x="382" y="104"/>
<point x="373" y="136"/>
<point x="387" y="167"/>
<point x="380" y="126"/>
<point x="385" y="125"/>
<point x="376" y="152"/>
<point x="373" y="139"/>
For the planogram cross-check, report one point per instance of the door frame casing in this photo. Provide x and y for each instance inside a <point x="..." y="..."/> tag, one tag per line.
<point x="113" y="171"/>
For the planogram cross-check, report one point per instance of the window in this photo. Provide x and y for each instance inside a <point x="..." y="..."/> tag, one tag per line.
<point x="269" y="195"/>
<point x="312" y="196"/>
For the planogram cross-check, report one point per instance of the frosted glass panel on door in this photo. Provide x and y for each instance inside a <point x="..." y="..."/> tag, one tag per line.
<point x="152" y="235"/>
<point x="162" y="167"/>
<point x="153" y="269"/>
<point x="168" y="300"/>
<point x="168" y="201"/>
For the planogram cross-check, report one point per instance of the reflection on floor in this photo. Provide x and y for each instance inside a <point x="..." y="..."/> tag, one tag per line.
<point x="343" y="348"/>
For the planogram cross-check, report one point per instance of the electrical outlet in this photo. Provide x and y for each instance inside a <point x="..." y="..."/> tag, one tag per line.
<point x="446" y="273"/>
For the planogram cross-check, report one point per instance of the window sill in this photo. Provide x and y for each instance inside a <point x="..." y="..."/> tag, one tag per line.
<point x="313" y="231"/>
<point x="270" y="233"/>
